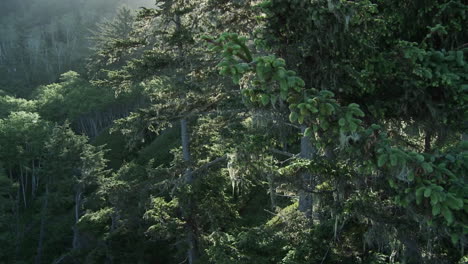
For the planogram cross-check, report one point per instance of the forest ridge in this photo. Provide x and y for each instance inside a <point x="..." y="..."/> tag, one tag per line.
<point x="233" y="131"/>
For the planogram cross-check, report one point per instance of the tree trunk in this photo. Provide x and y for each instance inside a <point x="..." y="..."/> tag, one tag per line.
<point x="33" y="180"/>
<point x="427" y="141"/>
<point x="23" y="186"/>
<point x="412" y="251"/>
<point x="191" y="240"/>
<point x="76" y="234"/>
<point x="272" y="190"/>
<point x="17" y="218"/>
<point x="186" y="150"/>
<point x="38" y="258"/>
<point x="305" y="195"/>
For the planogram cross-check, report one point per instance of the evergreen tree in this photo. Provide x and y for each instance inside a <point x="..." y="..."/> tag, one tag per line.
<point x="246" y="131"/>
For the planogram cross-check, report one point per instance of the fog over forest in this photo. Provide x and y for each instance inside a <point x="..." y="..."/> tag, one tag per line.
<point x="233" y="132"/>
<point x="39" y="39"/>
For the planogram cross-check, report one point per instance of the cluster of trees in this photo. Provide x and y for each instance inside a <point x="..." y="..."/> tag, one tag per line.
<point x="43" y="38"/>
<point x="246" y="131"/>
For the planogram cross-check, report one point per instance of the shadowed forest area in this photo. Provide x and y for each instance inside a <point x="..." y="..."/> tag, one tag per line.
<point x="233" y="131"/>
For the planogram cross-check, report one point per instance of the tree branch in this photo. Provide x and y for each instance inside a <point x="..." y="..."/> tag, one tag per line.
<point x="209" y="164"/>
<point x="284" y="153"/>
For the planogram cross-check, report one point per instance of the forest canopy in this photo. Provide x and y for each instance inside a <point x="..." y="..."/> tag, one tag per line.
<point x="233" y="131"/>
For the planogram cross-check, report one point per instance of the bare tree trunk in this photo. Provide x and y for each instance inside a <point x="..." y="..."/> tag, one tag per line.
<point x="17" y="229"/>
<point x="191" y="251"/>
<point x="186" y="150"/>
<point x="115" y="217"/>
<point x="23" y="187"/>
<point x="38" y="175"/>
<point x="38" y="258"/>
<point x="272" y="190"/>
<point x="93" y="124"/>
<point x="33" y="180"/>
<point x="83" y="128"/>
<point x="76" y="233"/>
<point x="427" y="141"/>
<point x="26" y="182"/>
<point x="305" y="195"/>
<point x="412" y="250"/>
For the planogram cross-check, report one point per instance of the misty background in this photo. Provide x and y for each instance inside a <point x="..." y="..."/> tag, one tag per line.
<point x="40" y="39"/>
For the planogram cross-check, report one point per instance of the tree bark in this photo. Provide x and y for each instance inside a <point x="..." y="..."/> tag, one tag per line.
<point x="17" y="218"/>
<point x="305" y="196"/>
<point x="23" y="187"/>
<point x="34" y="180"/>
<point x="76" y="234"/>
<point x="186" y="150"/>
<point x="191" y="240"/>
<point x="272" y="190"/>
<point x="38" y="258"/>
<point x="427" y="141"/>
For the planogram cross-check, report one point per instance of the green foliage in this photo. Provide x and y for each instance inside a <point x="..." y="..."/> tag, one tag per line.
<point x="159" y="149"/>
<point x="264" y="77"/>
<point x="43" y="164"/>
<point x="162" y="215"/>
<point x="341" y="137"/>
<point x="114" y="143"/>
<point x="10" y="104"/>
<point x="286" y="238"/>
<point x="71" y="98"/>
